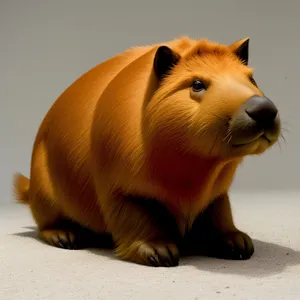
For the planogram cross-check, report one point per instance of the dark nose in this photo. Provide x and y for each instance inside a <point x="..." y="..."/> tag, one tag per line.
<point x="261" y="109"/>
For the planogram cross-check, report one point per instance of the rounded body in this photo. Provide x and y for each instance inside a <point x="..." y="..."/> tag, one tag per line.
<point x="169" y="122"/>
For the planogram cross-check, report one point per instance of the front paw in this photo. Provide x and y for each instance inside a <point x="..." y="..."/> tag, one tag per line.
<point x="155" y="254"/>
<point x="234" y="245"/>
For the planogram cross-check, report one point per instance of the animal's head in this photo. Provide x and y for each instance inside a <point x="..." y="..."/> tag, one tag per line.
<point x="207" y="101"/>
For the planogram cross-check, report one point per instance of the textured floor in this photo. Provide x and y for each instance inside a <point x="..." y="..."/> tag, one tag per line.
<point x="32" y="270"/>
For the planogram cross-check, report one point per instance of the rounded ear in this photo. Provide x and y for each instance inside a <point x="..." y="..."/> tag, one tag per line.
<point x="241" y="49"/>
<point x="165" y="59"/>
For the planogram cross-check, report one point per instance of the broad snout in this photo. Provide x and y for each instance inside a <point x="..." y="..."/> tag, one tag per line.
<point x="262" y="110"/>
<point x="256" y="119"/>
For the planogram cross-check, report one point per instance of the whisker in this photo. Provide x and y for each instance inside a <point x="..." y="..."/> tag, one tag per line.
<point x="284" y="125"/>
<point x="285" y="129"/>
<point x="279" y="144"/>
<point x="228" y="136"/>
<point x="229" y="139"/>
<point x="203" y="129"/>
<point x="213" y="145"/>
<point x="221" y="119"/>
<point x="284" y="139"/>
<point x="285" y="122"/>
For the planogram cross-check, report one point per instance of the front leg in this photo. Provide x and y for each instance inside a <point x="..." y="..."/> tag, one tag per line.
<point x="143" y="231"/>
<point x="214" y="233"/>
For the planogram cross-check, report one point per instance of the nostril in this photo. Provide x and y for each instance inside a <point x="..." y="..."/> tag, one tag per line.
<point x="262" y="113"/>
<point x="261" y="109"/>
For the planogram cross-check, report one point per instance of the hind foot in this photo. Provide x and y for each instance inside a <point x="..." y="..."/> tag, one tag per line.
<point x="65" y="239"/>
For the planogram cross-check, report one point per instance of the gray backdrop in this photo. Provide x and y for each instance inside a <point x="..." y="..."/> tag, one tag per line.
<point x="46" y="45"/>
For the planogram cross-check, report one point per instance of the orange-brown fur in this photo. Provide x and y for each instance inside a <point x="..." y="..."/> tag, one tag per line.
<point x="116" y="131"/>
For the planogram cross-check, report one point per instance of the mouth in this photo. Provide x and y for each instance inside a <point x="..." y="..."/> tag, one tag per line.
<point x="261" y="137"/>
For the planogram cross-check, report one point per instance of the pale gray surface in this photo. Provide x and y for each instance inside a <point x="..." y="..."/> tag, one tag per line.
<point x="46" y="45"/>
<point x="32" y="270"/>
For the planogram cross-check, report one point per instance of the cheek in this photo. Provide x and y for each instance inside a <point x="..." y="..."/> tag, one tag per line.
<point x="172" y="117"/>
<point x="208" y="129"/>
<point x="211" y="121"/>
<point x="178" y="107"/>
<point x="213" y="113"/>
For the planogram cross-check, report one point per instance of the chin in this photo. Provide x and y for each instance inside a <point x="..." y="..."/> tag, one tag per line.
<point x="255" y="147"/>
<point x="262" y="145"/>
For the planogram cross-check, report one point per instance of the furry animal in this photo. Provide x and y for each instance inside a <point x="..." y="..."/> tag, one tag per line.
<point x="144" y="148"/>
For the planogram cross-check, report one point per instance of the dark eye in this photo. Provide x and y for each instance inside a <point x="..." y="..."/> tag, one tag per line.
<point x="198" y="86"/>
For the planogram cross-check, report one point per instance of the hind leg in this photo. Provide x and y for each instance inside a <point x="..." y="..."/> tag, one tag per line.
<point x="55" y="228"/>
